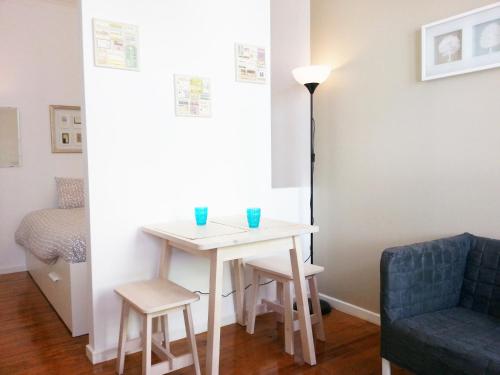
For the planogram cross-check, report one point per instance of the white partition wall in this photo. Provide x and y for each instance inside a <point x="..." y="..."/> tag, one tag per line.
<point x="290" y="48"/>
<point x="146" y="165"/>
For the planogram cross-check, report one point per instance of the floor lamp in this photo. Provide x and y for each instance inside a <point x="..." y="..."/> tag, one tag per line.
<point x="311" y="76"/>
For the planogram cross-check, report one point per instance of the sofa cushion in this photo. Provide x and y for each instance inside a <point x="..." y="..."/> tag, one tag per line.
<point x="481" y="285"/>
<point x="423" y="277"/>
<point x="456" y="341"/>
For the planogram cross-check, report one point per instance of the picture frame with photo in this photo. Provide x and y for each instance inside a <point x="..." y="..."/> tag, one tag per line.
<point x="65" y="129"/>
<point x="465" y="43"/>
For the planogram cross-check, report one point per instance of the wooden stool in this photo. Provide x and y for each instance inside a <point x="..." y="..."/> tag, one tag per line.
<point x="280" y="269"/>
<point x="154" y="299"/>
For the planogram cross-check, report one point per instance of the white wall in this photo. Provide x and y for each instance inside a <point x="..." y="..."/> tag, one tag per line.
<point x="399" y="160"/>
<point x="145" y="165"/>
<point x="290" y="48"/>
<point x="40" y="65"/>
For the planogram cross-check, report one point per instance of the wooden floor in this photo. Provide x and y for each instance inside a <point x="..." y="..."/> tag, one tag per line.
<point x="34" y="341"/>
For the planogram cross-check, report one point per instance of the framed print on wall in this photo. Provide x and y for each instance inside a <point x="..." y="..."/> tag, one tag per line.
<point x="65" y="129"/>
<point x="250" y="63"/>
<point x="465" y="43"/>
<point x="116" y="45"/>
<point x="192" y="96"/>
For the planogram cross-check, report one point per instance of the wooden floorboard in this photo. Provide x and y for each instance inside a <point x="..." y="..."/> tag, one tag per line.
<point x="33" y="340"/>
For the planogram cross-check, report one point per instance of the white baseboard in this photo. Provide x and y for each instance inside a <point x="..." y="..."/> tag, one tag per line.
<point x="96" y="357"/>
<point x="5" y="270"/>
<point x="351" y="309"/>
<point x="107" y="354"/>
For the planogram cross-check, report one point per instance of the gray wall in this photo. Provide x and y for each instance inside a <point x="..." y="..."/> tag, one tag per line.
<point x="399" y="160"/>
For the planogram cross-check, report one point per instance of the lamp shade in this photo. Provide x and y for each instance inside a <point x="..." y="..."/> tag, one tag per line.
<point x="311" y="74"/>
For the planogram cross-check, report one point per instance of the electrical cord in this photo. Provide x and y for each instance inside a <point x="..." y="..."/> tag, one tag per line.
<point x="313" y="162"/>
<point x="231" y="292"/>
<point x="248" y="286"/>
<point x="313" y="148"/>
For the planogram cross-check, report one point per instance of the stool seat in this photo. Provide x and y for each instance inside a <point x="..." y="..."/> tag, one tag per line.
<point x="282" y="267"/>
<point x="156" y="295"/>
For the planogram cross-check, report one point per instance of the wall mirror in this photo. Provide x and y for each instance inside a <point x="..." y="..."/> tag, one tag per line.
<point x="9" y="138"/>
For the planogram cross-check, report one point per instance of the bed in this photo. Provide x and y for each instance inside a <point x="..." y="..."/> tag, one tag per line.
<point x="55" y="240"/>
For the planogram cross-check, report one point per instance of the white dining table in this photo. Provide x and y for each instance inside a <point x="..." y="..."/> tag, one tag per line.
<point x="230" y="239"/>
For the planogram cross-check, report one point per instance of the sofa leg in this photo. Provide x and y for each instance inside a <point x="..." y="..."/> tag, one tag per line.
<point x="386" y="367"/>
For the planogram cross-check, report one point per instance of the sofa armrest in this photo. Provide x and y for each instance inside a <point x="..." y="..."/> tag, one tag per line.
<point x="422" y="277"/>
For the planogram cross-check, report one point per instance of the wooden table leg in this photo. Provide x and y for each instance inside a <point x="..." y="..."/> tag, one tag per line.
<point x="279" y="292"/>
<point x="239" y="278"/>
<point x="288" y="318"/>
<point x="165" y="257"/>
<point x="122" y="341"/>
<point x="146" y="344"/>
<point x="299" y="280"/>
<point x="214" y="307"/>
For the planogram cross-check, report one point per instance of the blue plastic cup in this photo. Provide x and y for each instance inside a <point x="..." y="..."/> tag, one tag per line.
<point x="201" y="214"/>
<point x="253" y="217"/>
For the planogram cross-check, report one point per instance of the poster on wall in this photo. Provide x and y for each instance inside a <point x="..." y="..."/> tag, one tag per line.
<point x="192" y="96"/>
<point x="116" y="45"/>
<point x="460" y="44"/>
<point x="250" y="63"/>
<point x="66" y="128"/>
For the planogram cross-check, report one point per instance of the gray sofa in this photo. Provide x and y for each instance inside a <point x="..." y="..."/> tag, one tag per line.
<point x="440" y="306"/>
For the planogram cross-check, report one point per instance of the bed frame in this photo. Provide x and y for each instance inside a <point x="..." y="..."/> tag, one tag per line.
<point x="65" y="285"/>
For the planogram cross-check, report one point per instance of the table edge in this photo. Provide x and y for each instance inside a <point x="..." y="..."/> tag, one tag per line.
<point x="193" y="245"/>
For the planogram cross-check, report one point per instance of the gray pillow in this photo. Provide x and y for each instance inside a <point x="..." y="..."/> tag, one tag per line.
<point x="70" y="192"/>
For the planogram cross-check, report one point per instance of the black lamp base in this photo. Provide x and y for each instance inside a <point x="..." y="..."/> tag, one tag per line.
<point x="325" y="307"/>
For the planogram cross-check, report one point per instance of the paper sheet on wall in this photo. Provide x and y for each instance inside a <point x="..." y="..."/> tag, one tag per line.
<point x="116" y="45"/>
<point x="250" y="63"/>
<point x="192" y="96"/>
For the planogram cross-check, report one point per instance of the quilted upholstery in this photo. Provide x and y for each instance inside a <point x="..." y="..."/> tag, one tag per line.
<point x="70" y="192"/>
<point x="455" y="341"/>
<point x="481" y="287"/>
<point x="440" y="306"/>
<point x="423" y="277"/>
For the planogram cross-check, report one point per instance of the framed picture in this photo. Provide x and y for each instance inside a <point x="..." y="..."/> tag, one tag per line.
<point x="250" y="63"/>
<point x="116" y="45"/>
<point x="65" y="128"/>
<point x="465" y="43"/>
<point x="192" y="96"/>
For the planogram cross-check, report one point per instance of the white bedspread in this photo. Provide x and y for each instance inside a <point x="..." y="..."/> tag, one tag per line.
<point x="53" y="233"/>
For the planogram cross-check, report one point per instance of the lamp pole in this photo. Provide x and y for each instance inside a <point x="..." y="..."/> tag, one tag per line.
<point x="311" y="87"/>
<point x="311" y="76"/>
